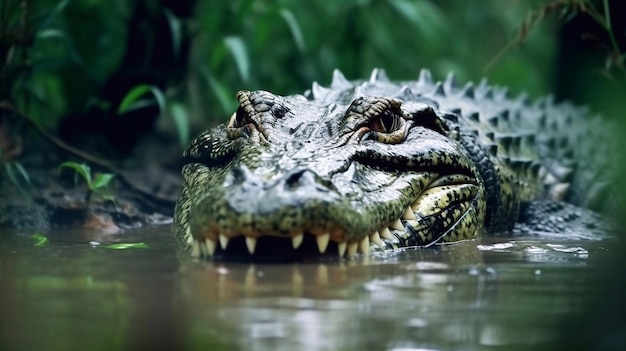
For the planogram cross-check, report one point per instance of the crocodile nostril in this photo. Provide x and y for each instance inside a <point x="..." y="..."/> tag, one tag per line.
<point x="239" y="175"/>
<point x="296" y="178"/>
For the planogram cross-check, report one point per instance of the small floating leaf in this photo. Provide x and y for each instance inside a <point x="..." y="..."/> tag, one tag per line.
<point x="124" y="246"/>
<point x="40" y="240"/>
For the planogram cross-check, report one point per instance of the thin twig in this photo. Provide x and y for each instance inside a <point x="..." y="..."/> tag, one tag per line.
<point x="609" y="28"/>
<point x="84" y="155"/>
<point x="580" y="6"/>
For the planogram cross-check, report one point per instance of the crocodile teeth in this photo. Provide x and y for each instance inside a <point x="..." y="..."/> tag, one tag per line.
<point x="322" y="242"/>
<point x="408" y="214"/>
<point x="364" y="246"/>
<point x="385" y="233"/>
<point x="342" y="248"/>
<point x="251" y="244"/>
<point x="375" y="238"/>
<point x="397" y="225"/>
<point x="352" y="249"/>
<point x="210" y="246"/>
<point x="224" y="241"/>
<point x="296" y="241"/>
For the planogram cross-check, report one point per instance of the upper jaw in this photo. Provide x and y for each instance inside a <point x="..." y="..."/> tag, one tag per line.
<point x="307" y="212"/>
<point x="334" y="227"/>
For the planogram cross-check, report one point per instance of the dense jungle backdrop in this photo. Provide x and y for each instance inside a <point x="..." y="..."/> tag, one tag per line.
<point x="121" y="86"/>
<point x="119" y="69"/>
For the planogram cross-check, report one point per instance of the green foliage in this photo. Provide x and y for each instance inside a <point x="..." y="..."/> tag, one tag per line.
<point x="277" y="45"/>
<point x="141" y="96"/>
<point x="97" y="185"/>
<point x="125" y="246"/>
<point x="181" y="121"/>
<point x="144" y="95"/>
<point x="56" y="53"/>
<point x="238" y="50"/>
<point x="176" y="31"/>
<point x="39" y="239"/>
<point x="290" y="43"/>
<point x="17" y="174"/>
<point x="566" y="10"/>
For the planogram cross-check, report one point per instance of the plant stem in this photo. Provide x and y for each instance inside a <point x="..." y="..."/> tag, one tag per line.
<point x="607" y="16"/>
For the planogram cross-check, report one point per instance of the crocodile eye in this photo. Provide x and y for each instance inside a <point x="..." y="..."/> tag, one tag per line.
<point x="239" y="119"/>
<point x="239" y="124"/>
<point x="386" y="122"/>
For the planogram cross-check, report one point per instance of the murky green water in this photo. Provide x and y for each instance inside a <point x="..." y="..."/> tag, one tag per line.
<point x="493" y="294"/>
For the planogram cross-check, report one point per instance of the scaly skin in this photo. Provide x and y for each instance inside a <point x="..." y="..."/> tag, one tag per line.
<point x="373" y="166"/>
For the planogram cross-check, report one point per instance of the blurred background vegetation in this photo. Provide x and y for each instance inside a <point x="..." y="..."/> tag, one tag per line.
<point x="102" y="74"/>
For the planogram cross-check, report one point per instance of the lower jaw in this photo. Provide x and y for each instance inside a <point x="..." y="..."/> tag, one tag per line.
<point x="277" y="249"/>
<point x="274" y="249"/>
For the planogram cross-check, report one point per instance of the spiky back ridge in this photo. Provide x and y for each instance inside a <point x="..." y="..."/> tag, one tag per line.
<point x="559" y="146"/>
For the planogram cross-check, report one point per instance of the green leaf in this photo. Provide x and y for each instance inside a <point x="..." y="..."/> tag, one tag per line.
<point x="107" y="197"/>
<point x="22" y="171"/>
<point x="136" y="98"/>
<point x="51" y="33"/>
<point x="237" y="48"/>
<point x="98" y="103"/>
<point x="175" y="31"/>
<point x="423" y="15"/>
<point x="294" y="27"/>
<point x="52" y="14"/>
<point x="40" y="240"/>
<point x="160" y="98"/>
<point x="10" y="168"/>
<point x="80" y="168"/>
<point x="181" y="121"/>
<point x="220" y="91"/>
<point x="101" y="180"/>
<point x="124" y="246"/>
<point x="135" y="94"/>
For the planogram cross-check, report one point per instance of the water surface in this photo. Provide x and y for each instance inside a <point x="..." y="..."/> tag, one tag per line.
<point x="73" y="293"/>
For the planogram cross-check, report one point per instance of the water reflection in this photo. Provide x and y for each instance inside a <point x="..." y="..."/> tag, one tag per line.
<point x="69" y="295"/>
<point x="490" y="294"/>
<point x="457" y="296"/>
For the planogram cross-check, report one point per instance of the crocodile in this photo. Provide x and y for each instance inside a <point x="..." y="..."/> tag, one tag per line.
<point x="375" y="165"/>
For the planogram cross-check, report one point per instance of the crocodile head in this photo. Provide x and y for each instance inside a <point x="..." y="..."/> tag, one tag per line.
<point x="342" y="171"/>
